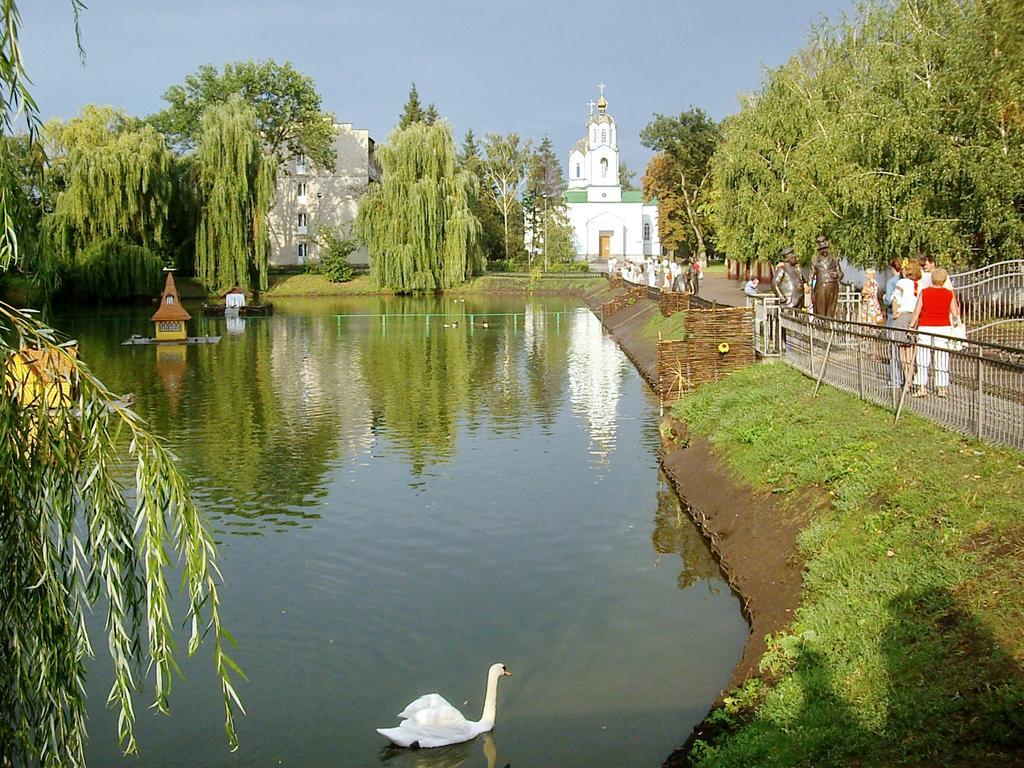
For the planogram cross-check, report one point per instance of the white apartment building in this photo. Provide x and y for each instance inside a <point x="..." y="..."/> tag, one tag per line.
<point x="309" y="198"/>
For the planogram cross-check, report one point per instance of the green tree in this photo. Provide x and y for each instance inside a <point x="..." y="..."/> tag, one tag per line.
<point x="894" y="131"/>
<point x="413" y="111"/>
<point x="419" y="223"/>
<point x="627" y="178"/>
<point x="114" y="177"/>
<point x="544" y="186"/>
<point x="690" y="141"/>
<point x="660" y="182"/>
<point x="491" y="240"/>
<point x="69" y="536"/>
<point x="236" y="189"/>
<point x="504" y="171"/>
<point x="289" y="115"/>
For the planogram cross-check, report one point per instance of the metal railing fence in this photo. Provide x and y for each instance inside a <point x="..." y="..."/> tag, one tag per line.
<point x="971" y="387"/>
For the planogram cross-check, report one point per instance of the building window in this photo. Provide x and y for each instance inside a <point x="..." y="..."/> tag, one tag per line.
<point x="170" y="299"/>
<point x="302" y="253"/>
<point x="604" y="135"/>
<point x="577" y="170"/>
<point x="301" y="188"/>
<point x="647" y="231"/>
<point x="302" y="219"/>
<point x="300" y="163"/>
<point x="604" y="167"/>
<point x="169" y="326"/>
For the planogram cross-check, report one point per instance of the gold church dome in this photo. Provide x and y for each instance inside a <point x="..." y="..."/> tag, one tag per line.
<point x="602" y="103"/>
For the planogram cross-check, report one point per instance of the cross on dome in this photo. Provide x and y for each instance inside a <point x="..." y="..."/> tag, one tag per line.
<point x="591" y="104"/>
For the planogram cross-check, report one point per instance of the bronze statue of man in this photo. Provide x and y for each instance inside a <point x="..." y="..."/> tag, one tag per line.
<point x="788" y="282"/>
<point x="827" y="275"/>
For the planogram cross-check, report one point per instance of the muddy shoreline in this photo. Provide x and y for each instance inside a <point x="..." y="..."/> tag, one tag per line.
<point x="751" y="536"/>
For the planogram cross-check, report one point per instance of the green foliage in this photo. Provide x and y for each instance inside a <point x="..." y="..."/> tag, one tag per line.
<point x="898" y="648"/>
<point x="897" y="131"/>
<point x="627" y="178"/>
<point x="491" y="240"/>
<point x="111" y="269"/>
<point x="236" y="190"/>
<point x="680" y="175"/>
<point x="568" y="267"/>
<point x="114" y="177"/>
<point x="413" y="111"/>
<point x="71" y="539"/>
<point x="419" y="223"/>
<point x="286" y="105"/>
<point x="543" y="205"/>
<point x="504" y="169"/>
<point x="334" y="251"/>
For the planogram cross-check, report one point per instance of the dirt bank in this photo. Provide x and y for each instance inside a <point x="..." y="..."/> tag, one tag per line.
<point x="753" y="539"/>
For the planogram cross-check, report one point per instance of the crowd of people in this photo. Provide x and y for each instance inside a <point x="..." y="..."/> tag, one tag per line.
<point x="918" y="297"/>
<point x="665" y="274"/>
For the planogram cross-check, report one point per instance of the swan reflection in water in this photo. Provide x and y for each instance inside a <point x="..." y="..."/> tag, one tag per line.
<point x="453" y="756"/>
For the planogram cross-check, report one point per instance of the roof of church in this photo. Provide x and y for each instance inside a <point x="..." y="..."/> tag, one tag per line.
<point x="628" y="196"/>
<point x="601" y="117"/>
<point x="170" y="310"/>
<point x="580" y="146"/>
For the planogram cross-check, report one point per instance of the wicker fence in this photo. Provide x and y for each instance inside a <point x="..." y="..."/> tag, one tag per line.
<point x="971" y="387"/>
<point x="717" y="342"/>
<point x="632" y="295"/>
<point x="670" y="302"/>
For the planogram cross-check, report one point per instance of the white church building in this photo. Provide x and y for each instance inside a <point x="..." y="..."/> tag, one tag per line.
<point x="607" y="221"/>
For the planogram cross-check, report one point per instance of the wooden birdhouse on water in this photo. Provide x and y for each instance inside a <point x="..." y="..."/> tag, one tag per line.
<point x="170" y="316"/>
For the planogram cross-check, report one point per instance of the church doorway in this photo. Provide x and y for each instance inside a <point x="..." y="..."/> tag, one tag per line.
<point x="605" y="247"/>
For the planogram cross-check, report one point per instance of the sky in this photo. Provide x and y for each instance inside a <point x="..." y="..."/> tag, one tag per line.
<point x="528" y="66"/>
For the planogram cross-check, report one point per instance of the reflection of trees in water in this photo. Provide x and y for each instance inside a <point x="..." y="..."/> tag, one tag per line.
<point x="257" y="419"/>
<point x="426" y="378"/>
<point x="674" y="532"/>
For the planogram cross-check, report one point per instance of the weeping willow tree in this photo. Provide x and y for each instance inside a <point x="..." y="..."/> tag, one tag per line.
<point x="236" y="190"/>
<point x="116" y="179"/>
<point x="71" y="536"/>
<point x="113" y="269"/>
<point x="419" y="223"/>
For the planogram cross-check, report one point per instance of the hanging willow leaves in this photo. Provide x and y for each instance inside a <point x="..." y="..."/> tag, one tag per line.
<point x="117" y="183"/>
<point x="419" y="223"/>
<point x="70" y="538"/>
<point x="113" y="269"/>
<point x="236" y="190"/>
<point x="894" y="131"/>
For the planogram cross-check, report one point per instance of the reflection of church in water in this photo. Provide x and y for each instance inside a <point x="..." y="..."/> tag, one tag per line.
<point x="596" y="369"/>
<point x="606" y="220"/>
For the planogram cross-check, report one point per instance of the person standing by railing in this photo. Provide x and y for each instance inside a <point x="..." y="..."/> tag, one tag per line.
<point x="937" y="311"/>
<point x="904" y="301"/>
<point x="895" y="370"/>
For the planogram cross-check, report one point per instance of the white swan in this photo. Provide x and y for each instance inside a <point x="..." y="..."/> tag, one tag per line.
<point x="431" y="721"/>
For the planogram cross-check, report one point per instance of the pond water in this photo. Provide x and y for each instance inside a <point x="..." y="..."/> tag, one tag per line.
<point x="398" y="504"/>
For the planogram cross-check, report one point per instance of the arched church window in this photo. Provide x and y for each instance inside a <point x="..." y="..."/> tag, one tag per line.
<point x="604" y="167"/>
<point x="604" y="135"/>
<point x="577" y="170"/>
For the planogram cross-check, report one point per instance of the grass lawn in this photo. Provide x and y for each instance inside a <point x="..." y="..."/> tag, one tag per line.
<point x="716" y="268"/>
<point x="304" y="284"/>
<point x="671" y="327"/>
<point x="909" y="643"/>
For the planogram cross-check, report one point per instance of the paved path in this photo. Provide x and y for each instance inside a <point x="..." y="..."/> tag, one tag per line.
<point x="725" y="291"/>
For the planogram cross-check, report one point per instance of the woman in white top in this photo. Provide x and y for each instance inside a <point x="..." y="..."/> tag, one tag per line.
<point x="904" y="301"/>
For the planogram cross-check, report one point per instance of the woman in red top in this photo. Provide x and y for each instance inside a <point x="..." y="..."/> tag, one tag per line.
<point x="937" y="311"/>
